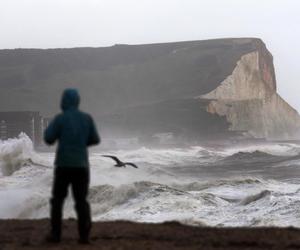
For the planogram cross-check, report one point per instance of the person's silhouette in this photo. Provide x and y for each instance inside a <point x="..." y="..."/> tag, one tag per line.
<point x="74" y="131"/>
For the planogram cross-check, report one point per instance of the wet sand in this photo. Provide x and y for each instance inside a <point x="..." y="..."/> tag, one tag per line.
<point x="30" y="234"/>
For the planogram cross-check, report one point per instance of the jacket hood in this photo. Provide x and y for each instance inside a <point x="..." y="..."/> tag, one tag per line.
<point x="70" y="99"/>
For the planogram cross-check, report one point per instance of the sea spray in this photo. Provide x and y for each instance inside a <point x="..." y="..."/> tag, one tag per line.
<point x="170" y="184"/>
<point x="14" y="153"/>
<point x="18" y="152"/>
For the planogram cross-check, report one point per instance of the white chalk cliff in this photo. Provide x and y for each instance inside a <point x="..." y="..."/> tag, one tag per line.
<point x="250" y="103"/>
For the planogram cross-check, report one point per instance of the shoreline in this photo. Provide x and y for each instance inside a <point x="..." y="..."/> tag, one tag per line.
<point x="30" y="234"/>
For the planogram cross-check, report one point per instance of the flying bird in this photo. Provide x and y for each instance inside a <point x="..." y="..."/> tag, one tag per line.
<point x="120" y="163"/>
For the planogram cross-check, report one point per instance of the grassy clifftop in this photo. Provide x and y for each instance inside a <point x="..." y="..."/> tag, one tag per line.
<point x="117" y="76"/>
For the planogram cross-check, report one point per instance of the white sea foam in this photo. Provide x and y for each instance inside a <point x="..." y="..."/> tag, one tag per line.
<point x="156" y="191"/>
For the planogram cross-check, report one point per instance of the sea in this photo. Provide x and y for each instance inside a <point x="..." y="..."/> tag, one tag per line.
<point x="249" y="185"/>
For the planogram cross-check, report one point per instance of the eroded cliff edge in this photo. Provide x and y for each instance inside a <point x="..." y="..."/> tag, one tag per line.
<point x="249" y="101"/>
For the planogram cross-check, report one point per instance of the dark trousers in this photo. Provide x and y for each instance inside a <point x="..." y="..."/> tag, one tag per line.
<point x="78" y="178"/>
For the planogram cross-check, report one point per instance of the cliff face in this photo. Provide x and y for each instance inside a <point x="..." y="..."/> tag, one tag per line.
<point x="190" y="89"/>
<point x="249" y="101"/>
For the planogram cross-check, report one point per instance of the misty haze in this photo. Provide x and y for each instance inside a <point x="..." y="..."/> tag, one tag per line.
<point x="206" y="122"/>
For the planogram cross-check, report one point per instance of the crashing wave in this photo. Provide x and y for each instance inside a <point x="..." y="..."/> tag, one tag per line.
<point x="164" y="188"/>
<point x="249" y="155"/>
<point x="277" y="149"/>
<point x="15" y="153"/>
<point x="199" y="186"/>
<point x="255" y="197"/>
<point x="109" y="196"/>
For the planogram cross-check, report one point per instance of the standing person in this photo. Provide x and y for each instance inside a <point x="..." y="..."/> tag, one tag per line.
<point x="74" y="131"/>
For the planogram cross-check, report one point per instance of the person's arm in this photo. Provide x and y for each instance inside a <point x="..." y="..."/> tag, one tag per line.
<point x="52" y="132"/>
<point x="93" y="137"/>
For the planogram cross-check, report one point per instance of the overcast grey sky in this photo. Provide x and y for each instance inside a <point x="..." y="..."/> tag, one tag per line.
<point x="75" y="23"/>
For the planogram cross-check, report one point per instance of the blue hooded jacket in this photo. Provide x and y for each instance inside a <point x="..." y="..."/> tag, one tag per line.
<point x="74" y="130"/>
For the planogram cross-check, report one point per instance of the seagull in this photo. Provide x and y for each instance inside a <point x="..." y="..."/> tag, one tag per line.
<point x="120" y="163"/>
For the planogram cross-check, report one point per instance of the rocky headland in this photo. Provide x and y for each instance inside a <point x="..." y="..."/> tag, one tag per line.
<point x="223" y="88"/>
